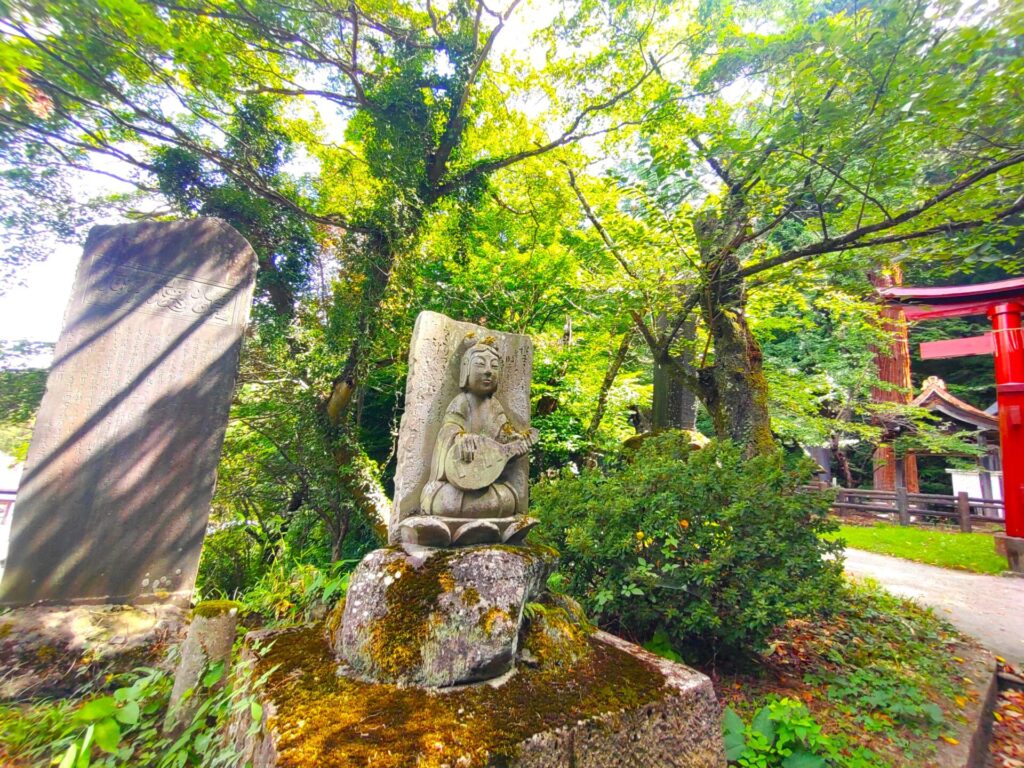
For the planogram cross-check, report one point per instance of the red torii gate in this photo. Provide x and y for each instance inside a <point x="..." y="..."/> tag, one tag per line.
<point x="1003" y="302"/>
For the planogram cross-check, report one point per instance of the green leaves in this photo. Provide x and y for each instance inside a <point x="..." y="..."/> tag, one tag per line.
<point x="699" y="548"/>
<point x="782" y="734"/>
<point x="734" y="735"/>
<point x="97" y="709"/>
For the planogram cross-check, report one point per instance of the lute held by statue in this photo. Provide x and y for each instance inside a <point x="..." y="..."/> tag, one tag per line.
<point x="476" y="461"/>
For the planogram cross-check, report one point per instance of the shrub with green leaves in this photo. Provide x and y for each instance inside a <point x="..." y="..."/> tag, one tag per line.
<point x="705" y="547"/>
<point x="123" y="727"/>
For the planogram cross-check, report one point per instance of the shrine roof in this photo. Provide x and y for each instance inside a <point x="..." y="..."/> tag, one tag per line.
<point x="1001" y="289"/>
<point x="935" y="397"/>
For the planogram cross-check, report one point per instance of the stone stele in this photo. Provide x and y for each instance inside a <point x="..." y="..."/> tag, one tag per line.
<point x="115" y="496"/>
<point x="436" y="395"/>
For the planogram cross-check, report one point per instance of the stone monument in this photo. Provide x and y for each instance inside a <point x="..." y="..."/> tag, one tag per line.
<point x="449" y="649"/>
<point x="115" y="496"/>
<point x="462" y="475"/>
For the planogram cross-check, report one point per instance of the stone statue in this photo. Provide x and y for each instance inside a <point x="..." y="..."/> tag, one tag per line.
<point x="469" y="496"/>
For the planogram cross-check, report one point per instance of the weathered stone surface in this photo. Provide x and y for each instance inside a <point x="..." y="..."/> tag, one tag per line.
<point x="116" y="491"/>
<point x="211" y="635"/>
<point x="682" y="729"/>
<point x="438" y="617"/>
<point x="1012" y="548"/>
<point x="618" y="706"/>
<point x="436" y="378"/>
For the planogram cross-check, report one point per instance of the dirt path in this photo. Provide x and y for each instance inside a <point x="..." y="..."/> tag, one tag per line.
<point x="991" y="608"/>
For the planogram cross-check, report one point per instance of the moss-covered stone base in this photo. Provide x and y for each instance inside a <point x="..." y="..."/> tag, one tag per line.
<point x="614" y="705"/>
<point x="438" y="617"/>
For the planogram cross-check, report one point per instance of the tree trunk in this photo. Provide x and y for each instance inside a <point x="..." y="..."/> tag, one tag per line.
<point x="381" y="255"/>
<point x="733" y="388"/>
<point x="895" y="384"/>
<point x="358" y="478"/>
<point x="606" y="385"/>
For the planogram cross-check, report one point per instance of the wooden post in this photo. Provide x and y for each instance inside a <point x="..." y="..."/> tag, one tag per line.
<point x="963" y="507"/>
<point x="903" y="505"/>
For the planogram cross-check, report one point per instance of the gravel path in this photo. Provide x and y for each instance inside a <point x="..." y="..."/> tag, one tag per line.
<point x="990" y="608"/>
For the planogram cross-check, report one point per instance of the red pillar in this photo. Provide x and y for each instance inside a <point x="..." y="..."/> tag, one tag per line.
<point x="1009" y="344"/>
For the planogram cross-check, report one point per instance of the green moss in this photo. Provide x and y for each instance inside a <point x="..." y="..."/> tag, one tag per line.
<point x="323" y="719"/>
<point x="470" y="596"/>
<point x="209" y="609"/>
<point x="397" y="637"/>
<point x="333" y="621"/>
<point x="557" y="633"/>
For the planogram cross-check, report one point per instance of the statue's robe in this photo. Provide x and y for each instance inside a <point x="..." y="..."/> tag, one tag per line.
<point x="443" y="497"/>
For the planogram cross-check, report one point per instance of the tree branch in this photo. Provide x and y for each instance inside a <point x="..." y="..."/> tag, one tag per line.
<point x="855" y="238"/>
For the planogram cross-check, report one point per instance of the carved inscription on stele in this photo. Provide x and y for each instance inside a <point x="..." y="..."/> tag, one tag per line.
<point x="175" y="295"/>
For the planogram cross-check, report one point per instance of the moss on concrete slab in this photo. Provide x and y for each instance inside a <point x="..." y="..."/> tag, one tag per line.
<point x="325" y="719"/>
<point x="209" y="609"/>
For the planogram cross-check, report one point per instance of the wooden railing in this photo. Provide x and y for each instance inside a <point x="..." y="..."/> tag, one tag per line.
<point x="918" y="508"/>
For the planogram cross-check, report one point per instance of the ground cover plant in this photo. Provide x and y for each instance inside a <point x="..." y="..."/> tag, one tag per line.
<point x="948" y="549"/>
<point x="119" y="722"/>
<point x="876" y="684"/>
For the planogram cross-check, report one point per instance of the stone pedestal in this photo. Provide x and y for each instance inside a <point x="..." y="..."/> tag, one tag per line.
<point x="438" y="617"/>
<point x="1012" y="548"/>
<point x="614" y="705"/>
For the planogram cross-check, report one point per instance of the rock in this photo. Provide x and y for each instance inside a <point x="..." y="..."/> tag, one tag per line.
<point x="616" y="705"/>
<point x="438" y="617"/>
<point x="210" y="637"/>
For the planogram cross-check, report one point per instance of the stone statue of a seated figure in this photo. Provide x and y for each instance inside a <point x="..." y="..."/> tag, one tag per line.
<point x="467" y="498"/>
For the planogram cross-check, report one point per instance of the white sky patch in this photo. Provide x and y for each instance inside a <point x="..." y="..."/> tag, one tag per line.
<point x="35" y="311"/>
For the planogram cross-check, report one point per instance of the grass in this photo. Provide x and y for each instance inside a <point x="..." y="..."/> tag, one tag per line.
<point x="948" y="549"/>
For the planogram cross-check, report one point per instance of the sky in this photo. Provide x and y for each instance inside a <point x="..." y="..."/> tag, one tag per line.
<point x="34" y="311"/>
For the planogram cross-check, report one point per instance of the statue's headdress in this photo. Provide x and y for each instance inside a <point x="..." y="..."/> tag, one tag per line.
<point x="484" y="347"/>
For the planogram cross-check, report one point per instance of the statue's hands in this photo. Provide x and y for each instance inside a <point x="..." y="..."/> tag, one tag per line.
<point x="466" y="448"/>
<point x="524" y="444"/>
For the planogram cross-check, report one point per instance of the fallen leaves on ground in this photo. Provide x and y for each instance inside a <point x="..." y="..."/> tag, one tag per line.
<point x="1007" y="747"/>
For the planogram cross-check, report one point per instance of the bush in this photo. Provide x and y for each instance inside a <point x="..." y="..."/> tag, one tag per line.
<point x="703" y="547"/>
<point x="232" y="562"/>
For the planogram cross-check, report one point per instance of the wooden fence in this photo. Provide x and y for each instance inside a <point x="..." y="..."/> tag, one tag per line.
<point x="919" y="508"/>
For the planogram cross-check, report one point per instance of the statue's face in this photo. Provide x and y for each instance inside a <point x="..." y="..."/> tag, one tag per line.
<point x="484" y="370"/>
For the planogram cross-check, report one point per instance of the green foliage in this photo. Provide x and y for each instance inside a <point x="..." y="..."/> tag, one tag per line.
<point x="713" y="549"/>
<point x="880" y="674"/>
<point x="125" y="726"/>
<point x="291" y="592"/>
<point x="887" y="668"/>
<point x="884" y="700"/>
<point x="782" y="734"/>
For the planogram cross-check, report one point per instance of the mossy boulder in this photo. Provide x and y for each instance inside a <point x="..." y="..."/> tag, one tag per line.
<point x="440" y="617"/>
